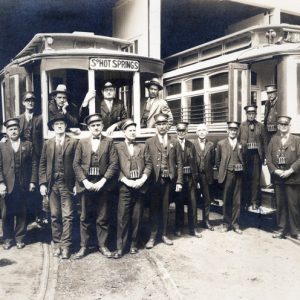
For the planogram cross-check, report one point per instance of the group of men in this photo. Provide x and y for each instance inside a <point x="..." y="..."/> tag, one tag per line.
<point x="167" y="168"/>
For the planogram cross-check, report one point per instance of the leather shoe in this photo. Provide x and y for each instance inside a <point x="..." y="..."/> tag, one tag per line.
<point x="81" y="253"/>
<point x="118" y="254"/>
<point x="208" y="226"/>
<point x="279" y="235"/>
<point x="150" y="244"/>
<point x="237" y="230"/>
<point x="20" y="245"/>
<point x="65" y="254"/>
<point x="7" y="245"/>
<point x="196" y="234"/>
<point x="254" y="207"/>
<point x="294" y="236"/>
<point x="133" y="250"/>
<point x="225" y="228"/>
<point x="178" y="233"/>
<point x="57" y="252"/>
<point x="104" y="251"/>
<point x="166" y="240"/>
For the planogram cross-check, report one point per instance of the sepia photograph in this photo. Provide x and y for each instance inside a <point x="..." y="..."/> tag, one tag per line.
<point x="149" y="149"/>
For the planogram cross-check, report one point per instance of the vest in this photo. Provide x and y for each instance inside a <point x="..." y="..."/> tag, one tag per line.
<point x="134" y="171"/>
<point x="202" y="160"/>
<point x="17" y="159"/>
<point x="27" y="133"/>
<point x="58" y="159"/>
<point x="94" y="171"/>
<point x="234" y="159"/>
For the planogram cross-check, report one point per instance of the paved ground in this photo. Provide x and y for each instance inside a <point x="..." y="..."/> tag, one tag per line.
<point x="218" y="266"/>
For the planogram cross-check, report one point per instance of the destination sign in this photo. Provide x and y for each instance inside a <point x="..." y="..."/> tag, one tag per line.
<point x="104" y="63"/>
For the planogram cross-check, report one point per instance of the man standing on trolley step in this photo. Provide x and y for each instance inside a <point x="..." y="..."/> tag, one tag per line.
<point x="190" y="177"/>
<point x="18" y="175"/>
<point x="230" y="163"/>
<point x="252" y="134"/>
<point x="135" y="169"/>
<point x="95" y="164"/>
<point x="283" y="160"/>
<point x="167" y="177"/>
<point x="57" y="179"/>
<point x="205" y="155"/>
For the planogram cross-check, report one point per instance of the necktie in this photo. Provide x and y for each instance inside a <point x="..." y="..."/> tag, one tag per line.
<point x="182" y="144"/>
<point x="202" y="144"/>
<point x="283" y="140"/>
<point x="96" y="137"/>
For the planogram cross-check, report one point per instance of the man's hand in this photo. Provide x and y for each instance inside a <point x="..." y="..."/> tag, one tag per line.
<point x="31" y="187"/>
<point x="64" y="108"/>
<point x="178" y="187"/>
<point x="88" y="185"/>
<point x="74" y="191"/>
<point x="111" y="129"/>
<point x="198" y="186"/>
<point x="128" y="182"/>
<point x="140" y="182"/>
<point x="287" y="173"/>
<point x="43" y="190"/>
<point x="88" y="97"/>
<point x="99" y="184"/>
<point x="3" y="190"/>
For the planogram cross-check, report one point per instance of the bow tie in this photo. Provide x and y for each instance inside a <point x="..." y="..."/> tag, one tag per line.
<point x="130" y="142"/>
<point x="96" y="137"/>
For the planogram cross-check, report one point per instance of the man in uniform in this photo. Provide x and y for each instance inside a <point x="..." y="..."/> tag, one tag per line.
<point x="153" y="105"/>
<point x="95" y="164"/>
<point x="190" y="177"/>
<point x="135" y="169"/>
<point x="271" y="111"/>
<point x="167" y="176"/>
<point x="112" y="110"/>
<point x="230" y="163"/>
<point x="60" y="105"/>
<point x="283" y="160"/>
<point x="205" y="155"/>
<point x="18" y="175"/>
<point x="252" y="134"/>
<point x="57" y="179"/>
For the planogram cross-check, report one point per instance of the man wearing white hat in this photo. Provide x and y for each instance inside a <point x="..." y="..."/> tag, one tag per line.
<point x="283" y="160"/>
<point x="60" y="105"/>
<point x="153" y="105"/>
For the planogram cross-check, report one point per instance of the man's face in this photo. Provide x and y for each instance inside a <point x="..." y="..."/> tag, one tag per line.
<point x="153" y="91"/>
<point x="251" y="116"/>
<point x="232" y="132"/>
<point x="29" y="104"/>
<point x="130" y="132"/>
<point x="109" y="93"/>
<point x="96" y="128"/>
<point x="162" y="127"/>
<point x="284" y="128"/>
<point x="202" y="133"/>
<point x="59" y="126"/>
<point x="272" y="96"/>
<point x="61" y="99"/>
<point x="181" y="133"/>
<point x="13" y="132"/>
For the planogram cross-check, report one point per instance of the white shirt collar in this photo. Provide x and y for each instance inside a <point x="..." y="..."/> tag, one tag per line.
<point x="60" y="139"/>
<point x="15" y="144"/>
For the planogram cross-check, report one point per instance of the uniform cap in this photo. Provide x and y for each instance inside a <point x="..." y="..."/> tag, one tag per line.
<point x="284" y="120"/>
<point x="161" y="118"/>
<point x="250" y="108"/>
<point x="108" y="85"/>
<point x="233" y="124"/>
<point x="28" y="95"/>
<point x="12" y="122"/>
<point x="182" y="125"/>
<point x="153" y="81"/>
<point x="127" y="123"/>
<point x="61" y="88"/>
<point x="271" y="88"/>
<point x="92" y="118"/>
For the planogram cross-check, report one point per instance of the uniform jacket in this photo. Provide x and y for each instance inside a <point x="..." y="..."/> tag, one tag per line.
<point x="190" y="154"/>
<point x="108" y="164"/>
<point x="259" y="136"/>
<point x="28" y="170"/>
<point x="223" y="156"/>
<point x="209" y="159"/>
<point x="143" y="161"/>
<point x="37" y="132"/>
<point x="117" y="114"/>
<point x="267" y="110"/>
<point x="153" y="147"/>
<point x="46" y="171"/>
<point x="71" y="115"/>
<point x="292" y="154"/>
<point x="158" y="106"/>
